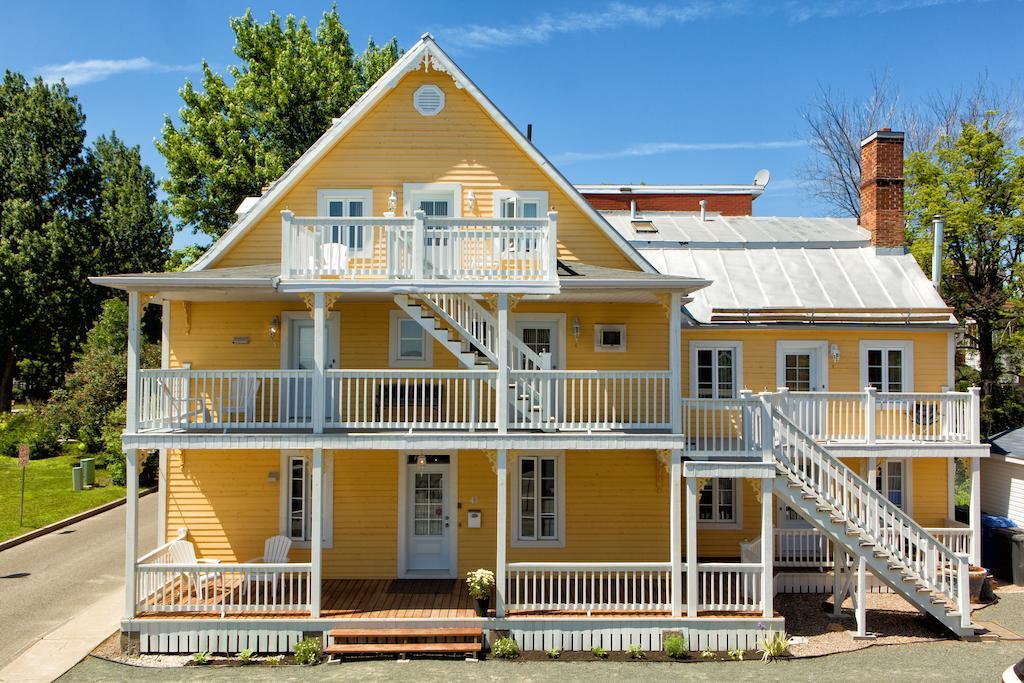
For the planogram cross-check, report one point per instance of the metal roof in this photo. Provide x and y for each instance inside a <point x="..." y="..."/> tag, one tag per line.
<point x="785" y="269"/>
<point x="1010" y="442"/>
<point x="613" y="188"/>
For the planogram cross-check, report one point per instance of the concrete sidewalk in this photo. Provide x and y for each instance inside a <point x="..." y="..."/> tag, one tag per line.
<point x="61" y="649"/>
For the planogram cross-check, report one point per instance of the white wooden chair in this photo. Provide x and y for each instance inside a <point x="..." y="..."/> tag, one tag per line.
<point x="334" y="258"/>
<point x="183" y="552"/>
<point x="240" y="402"/>
<point x="275" y="550"/>
<point x="176" y="394"/>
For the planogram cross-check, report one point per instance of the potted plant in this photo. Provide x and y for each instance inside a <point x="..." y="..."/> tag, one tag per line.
<point x="480" y="584"/>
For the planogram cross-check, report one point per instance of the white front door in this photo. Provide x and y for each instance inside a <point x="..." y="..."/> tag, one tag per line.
<point x="540" y="336"/>
<point x="801" y="369"/>
<point x="428" y="515"/>
<point x="435" y="204"/>
<point x="298" y="355"/>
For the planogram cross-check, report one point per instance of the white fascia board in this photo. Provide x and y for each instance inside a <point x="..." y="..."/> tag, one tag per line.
<point x="418" y="286"/>
<point x="624" y="189"/>
<point x="611" y="283"/>
<point x="356" y="112"/>
<point x="146" y="284"/>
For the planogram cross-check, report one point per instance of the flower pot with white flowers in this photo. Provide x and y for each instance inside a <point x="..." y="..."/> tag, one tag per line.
<point x="480" y="584"/>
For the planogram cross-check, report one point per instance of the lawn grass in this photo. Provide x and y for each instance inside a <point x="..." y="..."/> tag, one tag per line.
<point x="48" y="494"/>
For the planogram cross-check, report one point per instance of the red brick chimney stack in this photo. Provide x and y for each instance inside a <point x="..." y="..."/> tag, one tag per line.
<point x="881" y="187"/>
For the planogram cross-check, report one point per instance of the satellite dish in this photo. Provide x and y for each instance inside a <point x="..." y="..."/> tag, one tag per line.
<point x="762" y="177"/>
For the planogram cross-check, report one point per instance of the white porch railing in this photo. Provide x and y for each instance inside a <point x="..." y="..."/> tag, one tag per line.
<point x="809" y="548"/>
<point x="222" y="399"/>
<point x="877" y="417"/>
<point x="722" y="425"/>
<point x="411" y="399"/>
<point x="422" y="247"/>
<point x="729" y="586"/>
<point x="223" y="588"/>
<point x="588" y="586"/>
<point x="590" y="399"/>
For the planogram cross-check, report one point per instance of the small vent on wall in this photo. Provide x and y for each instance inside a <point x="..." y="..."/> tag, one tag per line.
<point x="428" y="100"/>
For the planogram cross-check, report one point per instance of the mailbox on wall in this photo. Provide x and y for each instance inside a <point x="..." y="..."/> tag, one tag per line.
<point x="473" y="519"/>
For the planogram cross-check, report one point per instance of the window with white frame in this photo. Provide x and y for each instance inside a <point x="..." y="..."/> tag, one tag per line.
<point x="715" y="369"/>
<point x="718" y="502"/>
<point x="887" y="366"/>
<point x="519" y="204"/>
<point x="539" y="500"/>
<point x="296" y="499"/>
<point x="346" y="204"/>
<point x="409" y="344"/>
<point x="891" y="482"/>
<point x="609" y="338"/>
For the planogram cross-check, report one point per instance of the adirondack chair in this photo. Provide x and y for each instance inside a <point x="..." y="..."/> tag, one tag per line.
<point x="239" y="403"/>
<point x="334" y="258"/>
<point x="176" y="397"/>
<point x="275" y="550"/>
<point x="183" y="552"/>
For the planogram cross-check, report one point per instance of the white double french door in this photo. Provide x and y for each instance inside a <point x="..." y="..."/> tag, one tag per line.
<point x="429" y="514"/>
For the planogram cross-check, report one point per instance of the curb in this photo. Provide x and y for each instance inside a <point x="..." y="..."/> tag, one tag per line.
<point x="68" y="521"/>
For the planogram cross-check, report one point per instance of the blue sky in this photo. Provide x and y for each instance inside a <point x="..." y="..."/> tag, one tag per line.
<point x="685" y="92"/>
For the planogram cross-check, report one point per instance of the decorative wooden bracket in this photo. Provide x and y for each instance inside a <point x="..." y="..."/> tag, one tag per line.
<point x="186" y="308"/>
<point x="329" y="300"/>
<point x="755" y="484"/>
<point x="492" y="457"/>
<point x="665" y="458"/>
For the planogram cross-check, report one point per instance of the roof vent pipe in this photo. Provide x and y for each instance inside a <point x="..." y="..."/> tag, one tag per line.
<point x="703" y="209"/>
<point x="938" y="225"/>
<point x="632" y="209"/>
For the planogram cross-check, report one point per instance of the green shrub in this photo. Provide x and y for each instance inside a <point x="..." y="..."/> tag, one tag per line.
<point x="554" y="653"/>
<point x="245" y="656"/>
<point x="773" y="645"/>
<point x="33" y="428"/>
<point x="736" y="654"/>
<point x="707" y="653"/>
<point x="599" y="652"/>
<point x="201" y="658"/>
<point x="635" y="651"/>
<point x="505" y="648"/>
<point x="309" y="651"/>
<point x="675" y="646"/>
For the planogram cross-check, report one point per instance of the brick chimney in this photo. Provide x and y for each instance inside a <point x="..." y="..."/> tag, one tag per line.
<point x="881" y="188"/>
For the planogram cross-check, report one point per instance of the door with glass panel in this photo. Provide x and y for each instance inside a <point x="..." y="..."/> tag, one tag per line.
<point x="539" y="401"/>
<point x="344" y="241"/>
<point x="437" y="251"/>
<point x="801" y="373"/>
<point x="297" y="394"/>
<point x="428" y="518"/>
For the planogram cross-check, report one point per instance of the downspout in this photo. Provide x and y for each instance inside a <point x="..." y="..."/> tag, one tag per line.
<point x="938" y="224"/>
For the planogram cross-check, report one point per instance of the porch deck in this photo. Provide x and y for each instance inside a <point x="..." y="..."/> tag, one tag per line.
<point x="382" y="599"/>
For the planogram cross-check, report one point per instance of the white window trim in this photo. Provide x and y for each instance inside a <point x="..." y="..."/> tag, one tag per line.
<point x="394" y="359"/>
<point x="737" y="506"/>
<point x="284" y="480"/>
<point x="410" y="192"/>
<point x="784" y="346"/>
<point x="515" y="541"/>
<point x="908" y="481"/>
<point x="601" y="327"/>
<point x="538" y="196"/>
<point x="324" y="196"/>
<point x="907" y="347"/>
<point x="737" y="348"/>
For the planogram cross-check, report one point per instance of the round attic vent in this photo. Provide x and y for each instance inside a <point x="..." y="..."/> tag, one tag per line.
<point x="428" y="100"/>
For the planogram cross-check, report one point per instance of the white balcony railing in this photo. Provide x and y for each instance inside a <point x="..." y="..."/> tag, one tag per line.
<point x="223" y="588"/>
<point x="729" y="586"/>
<point x="729" y="425"/>
<point x="594" y="586"/>
<point x="419" y="248"/>
<point x="590" y="399"/>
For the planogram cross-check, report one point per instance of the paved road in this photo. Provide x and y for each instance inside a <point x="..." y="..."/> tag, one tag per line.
<point x="47" y="580"/>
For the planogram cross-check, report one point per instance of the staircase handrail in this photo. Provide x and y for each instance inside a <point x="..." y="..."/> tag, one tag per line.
<point x="490" y="345"/>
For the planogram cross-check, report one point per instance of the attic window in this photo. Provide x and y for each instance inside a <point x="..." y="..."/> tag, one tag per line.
<point x="428" y="100"/>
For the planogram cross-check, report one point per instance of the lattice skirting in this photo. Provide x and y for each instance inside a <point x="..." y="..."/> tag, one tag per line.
<point x="182" y="637"/>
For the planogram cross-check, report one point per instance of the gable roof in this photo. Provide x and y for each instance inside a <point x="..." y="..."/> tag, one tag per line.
<point x="425" y="54"/>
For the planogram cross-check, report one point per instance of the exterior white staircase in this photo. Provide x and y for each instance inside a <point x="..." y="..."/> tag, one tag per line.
<point x="869" y="527"/>
<point x="475" y="343"/>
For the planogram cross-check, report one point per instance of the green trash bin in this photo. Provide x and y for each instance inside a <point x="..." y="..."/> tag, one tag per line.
<point x="76" y="477"/>
<point x="88" y="471"/>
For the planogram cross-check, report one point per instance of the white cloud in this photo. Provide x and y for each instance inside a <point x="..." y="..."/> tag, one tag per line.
<point x="93" y="70"/>
<point x="646" y="149"/>
<point x="545" y="27"/>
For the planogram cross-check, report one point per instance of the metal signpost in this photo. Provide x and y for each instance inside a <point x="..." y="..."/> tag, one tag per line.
<point x="23" y="451"/>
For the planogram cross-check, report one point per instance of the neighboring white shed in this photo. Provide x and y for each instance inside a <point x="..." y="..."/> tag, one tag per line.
<point x="1002" y="477"/>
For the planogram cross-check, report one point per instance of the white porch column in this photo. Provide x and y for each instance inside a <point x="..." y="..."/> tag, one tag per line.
<point x="161" y="482"/>
<point x="675" y="525"/>
<point x="838" y="567"/>
<point x="502" y="396"/>
<point x="862" y="591"/>
<point x="319" y="342"/>
<point x="975" y="511"/>
<point x="132" y="398"/>
<point x="767" y="547"/>
<point x="501" y="526"/>
<point x="870" y="414"/>
<point x="316" y="531"/>
<point x="871" y="475"/>
<point x="131" y="527"/>
<point x="675" y="326"/>
<point x="692" y="593"/>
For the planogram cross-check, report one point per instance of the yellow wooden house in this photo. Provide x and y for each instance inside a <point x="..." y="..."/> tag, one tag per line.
<point x="422" y="352"/>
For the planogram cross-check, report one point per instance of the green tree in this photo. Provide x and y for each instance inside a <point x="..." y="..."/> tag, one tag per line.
<point x="976" y="181"/>
<point x="236" y="138"/>
<point x="66" y="212"/>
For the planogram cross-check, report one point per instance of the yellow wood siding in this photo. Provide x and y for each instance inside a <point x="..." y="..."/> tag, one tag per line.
<point x="394" y="144"/>
<point x="930" y="491"/>
<point x="931" y="351"/>
<point x="365" y="516"/>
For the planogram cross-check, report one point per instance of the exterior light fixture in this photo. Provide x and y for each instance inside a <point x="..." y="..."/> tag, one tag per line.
<point x="576" y="330"/>
<point x="275" y="328"/>
<point x="471" y="200"/>
<point x="421" y="460"/>
<point x="392" y="202"/>
<point x="834" y="352"/>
